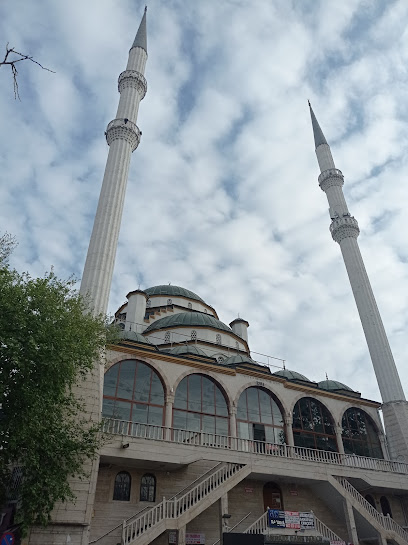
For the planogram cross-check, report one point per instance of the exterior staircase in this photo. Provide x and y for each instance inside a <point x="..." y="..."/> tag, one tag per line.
<point x="386" y="526"/>
<point x="176" y="512"/>
<point x="260" y="526"/>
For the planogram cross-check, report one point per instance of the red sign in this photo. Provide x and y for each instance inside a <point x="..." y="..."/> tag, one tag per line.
<point x="7" y="538"/>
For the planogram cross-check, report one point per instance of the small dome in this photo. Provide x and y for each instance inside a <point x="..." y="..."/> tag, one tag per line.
<point x="187" y="349"/>
<point x="333" y="385"/>
<point x="234" y="360"/>
<point x="187" y="319"/>
<point x="173" y="291"/>
<point x="133" y="336"/>
<point x="291" y="375"/>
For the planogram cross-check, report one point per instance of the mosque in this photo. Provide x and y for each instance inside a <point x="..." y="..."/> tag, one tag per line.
<point x="207" y="445"/>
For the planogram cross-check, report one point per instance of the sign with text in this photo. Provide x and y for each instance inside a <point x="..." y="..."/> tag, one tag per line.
<point x="295" y="520"/>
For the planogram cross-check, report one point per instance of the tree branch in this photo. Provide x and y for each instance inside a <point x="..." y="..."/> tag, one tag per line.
<point x="12" y="63"/>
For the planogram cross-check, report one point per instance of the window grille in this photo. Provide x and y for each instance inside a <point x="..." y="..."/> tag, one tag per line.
<point x="121" y="491"/>
<point x="148" y="488"/>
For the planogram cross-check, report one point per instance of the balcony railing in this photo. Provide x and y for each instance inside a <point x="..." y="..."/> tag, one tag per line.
<point x="203" y="439"/>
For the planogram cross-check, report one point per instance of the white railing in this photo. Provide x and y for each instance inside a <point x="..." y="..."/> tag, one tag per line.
<point x="148" y="431"/>
<point x="260" y="526"/>
<point x="327" y="533"/>
<point x="179" y="504"/>
<point x="385" y="522"/>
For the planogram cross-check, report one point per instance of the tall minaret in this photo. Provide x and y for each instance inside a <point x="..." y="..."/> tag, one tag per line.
<point x="123" y="137"/>
<point x="71" y="520"/>
<point x="344" y="230"/>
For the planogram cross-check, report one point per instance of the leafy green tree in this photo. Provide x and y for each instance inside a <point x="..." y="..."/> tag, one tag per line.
<point x="48" y="344"/>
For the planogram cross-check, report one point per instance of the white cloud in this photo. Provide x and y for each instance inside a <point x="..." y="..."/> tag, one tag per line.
<point x="223" y="195"/>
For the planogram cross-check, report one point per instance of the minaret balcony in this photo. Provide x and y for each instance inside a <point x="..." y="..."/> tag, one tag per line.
<point x="123" y="129"/>
<point x="344" y="227"/>
<point x="133" y="79"/>
<point x="331" y="177"/>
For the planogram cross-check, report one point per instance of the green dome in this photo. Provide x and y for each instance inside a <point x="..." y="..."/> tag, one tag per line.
<point x="235" y="360"/>
<point x="333" y="385"/>
<point x="291" y="375"/>
<point x="133" y="336"/>
<point x="187" y="319"/>
<point x="187" y="349"/>
<point x="173" y="291"/>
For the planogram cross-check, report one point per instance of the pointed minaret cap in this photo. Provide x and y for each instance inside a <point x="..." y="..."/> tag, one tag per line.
<point x="141" y="35"/>
<point x="317" y="131"/>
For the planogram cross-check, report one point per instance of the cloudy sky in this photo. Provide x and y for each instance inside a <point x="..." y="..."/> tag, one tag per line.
<point x="222" y="196"/>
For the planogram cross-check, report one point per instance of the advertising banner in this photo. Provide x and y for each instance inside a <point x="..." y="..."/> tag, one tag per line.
<point x="291" y="519"/>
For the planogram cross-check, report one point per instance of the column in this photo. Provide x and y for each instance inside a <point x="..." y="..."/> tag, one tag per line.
<point x="351" y="523"/>
<point x="223" y="516"/>
<point x="168" y="416"/>
<point x="289" y="431"/>
<point x="338" y="429"/>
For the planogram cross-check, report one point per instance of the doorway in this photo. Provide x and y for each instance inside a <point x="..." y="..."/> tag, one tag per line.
<point x="272" y="497"/>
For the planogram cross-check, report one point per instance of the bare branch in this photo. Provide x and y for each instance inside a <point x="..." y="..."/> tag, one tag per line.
<point x="12" y="64"/>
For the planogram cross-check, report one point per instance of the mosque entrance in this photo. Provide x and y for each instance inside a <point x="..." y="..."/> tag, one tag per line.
<point x="272" y="496"/>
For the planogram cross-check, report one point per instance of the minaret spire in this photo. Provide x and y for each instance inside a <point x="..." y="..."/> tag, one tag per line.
<point x="344" y="230"/>
<point x="141" y="35"/>
<point x="123" y="137"/>
<point x="317" y="131"/>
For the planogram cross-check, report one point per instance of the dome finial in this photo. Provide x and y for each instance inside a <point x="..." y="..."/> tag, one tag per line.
<point x="327" y="378"/>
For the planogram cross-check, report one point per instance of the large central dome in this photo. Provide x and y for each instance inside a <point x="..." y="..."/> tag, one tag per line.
<point x="168" y="289"/>
<point x="188" y="319"/>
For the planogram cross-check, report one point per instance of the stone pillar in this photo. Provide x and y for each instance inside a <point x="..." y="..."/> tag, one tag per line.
<point x="233" y="421"/>
<point x="339" y="438"/>
<point x="223" y="510"/>
<point x="289" y="431"/>
<point x="168" y="417"/>
<point x="351" y="523"/>
<point x="384" y="446"/>
<point x="182" y="536"/>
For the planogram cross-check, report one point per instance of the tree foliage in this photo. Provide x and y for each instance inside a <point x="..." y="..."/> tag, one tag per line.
<point x="48" y="342"/>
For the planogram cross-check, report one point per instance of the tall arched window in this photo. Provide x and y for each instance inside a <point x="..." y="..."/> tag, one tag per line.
<point x="148" y="488"/>
<point x="259" y="417"/>
<point x="190" y="305"/>
<point x="167" y="337"/>
<point x="313" y="425"/>
<point x="169" y="302"/>
<point x="370" y="500"/>
<point x="199" y="405"/>
<point x="194" y="335"/>
<point x="385" y="506"/>
<point x="360" y="435"/>
<point x="121" y="492"/>
<point x="218" y="338"/>
<point x="133" y="392"/>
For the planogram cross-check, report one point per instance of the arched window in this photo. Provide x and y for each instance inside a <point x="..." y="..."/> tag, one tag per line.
<point x="370" y="500"/>
<point x="218" y="338"/>
<point x="190" y="305"/>
<point x="194" y="335"/>
<point x="272" y="497"/>
<point x="133" y="392"/>
<point x="148" y="488"/>
<point x="199" y="405"/>
<point x="167" y="337"/>
<point x="259" y="417"/>
<point x="169" y="302"/>
<point x="121" y="492"/>
<point x="360" y="435"/>
<point x="313" y="425"/>
<point x="385" y="506"/>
